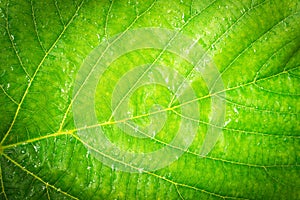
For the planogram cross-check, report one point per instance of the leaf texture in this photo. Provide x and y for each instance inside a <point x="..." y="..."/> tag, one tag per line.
<point x="251" y="51"/>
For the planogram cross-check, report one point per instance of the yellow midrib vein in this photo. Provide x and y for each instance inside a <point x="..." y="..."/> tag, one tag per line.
<point x="70" y="132"/>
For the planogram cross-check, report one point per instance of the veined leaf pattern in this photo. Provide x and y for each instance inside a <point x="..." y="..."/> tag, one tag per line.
<point x="254" y="45"/>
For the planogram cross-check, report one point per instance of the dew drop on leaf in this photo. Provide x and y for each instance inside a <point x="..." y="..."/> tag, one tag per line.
<point x="236" y="110"/>
<point x="227" y="122"/>
<point x="141" y="170"/>
<point x="36" y="148"/>
<point x="87" y="154"/>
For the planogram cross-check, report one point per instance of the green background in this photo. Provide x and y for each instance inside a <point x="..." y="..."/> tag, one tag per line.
<point x="254" y="44"/>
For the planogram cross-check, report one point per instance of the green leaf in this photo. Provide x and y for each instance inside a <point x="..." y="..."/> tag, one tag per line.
<point x="150" y="99"/>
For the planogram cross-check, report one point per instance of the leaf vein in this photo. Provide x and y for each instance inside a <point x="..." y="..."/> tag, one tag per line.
<point x="267" y="31"/>
<point x="2" y="184"/>
<point x="37" y="177"/>
<point x="154" y="174"/>
<point x="89" y="74"/>
<point x="36" y="72"/>
<point x="106" y="18"/>
<point x="10" y="97"/>
<point x="59" y="13"/>
<point x="36" y="28"/>
<point x="11" y="38"/>
<point x="156" y="59"/>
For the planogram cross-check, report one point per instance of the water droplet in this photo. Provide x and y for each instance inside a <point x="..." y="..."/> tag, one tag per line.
<point x="187" y="51"/>
<point x="1" y="11"/>
<point x="236" y="110"/>
<point x="198" y="69"/>
<point x="141" y="170"/>
<point x="36" y="148"/>
<point x="98" y="36"/>
<point x="12" y="37"/>
<point x="167" y="79"/>
<point x="227" y="122"/>
<point x="88" y="168"/>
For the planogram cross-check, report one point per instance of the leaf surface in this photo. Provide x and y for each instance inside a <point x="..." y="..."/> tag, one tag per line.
<point x="248" y="149"/>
